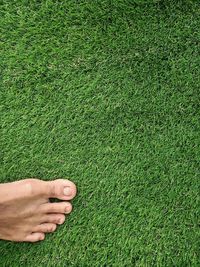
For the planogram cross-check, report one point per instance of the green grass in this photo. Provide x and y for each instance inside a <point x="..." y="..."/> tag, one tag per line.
<point x="105" y="93"/>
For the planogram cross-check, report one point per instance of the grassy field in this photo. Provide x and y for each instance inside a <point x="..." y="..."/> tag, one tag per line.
<point x="106" y="93"/>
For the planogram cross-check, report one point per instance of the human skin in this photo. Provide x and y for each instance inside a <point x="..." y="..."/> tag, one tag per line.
<point x="26" y="213"/>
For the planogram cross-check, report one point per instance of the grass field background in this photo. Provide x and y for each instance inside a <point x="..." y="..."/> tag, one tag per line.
<point x="105" y="93"/>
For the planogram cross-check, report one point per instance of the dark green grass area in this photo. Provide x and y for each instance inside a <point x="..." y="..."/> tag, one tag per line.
<point x="105" y="93"/>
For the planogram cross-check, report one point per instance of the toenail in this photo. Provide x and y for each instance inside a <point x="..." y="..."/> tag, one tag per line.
<point x="67" y="191"/>
<point x="60" y="221"/>
<point x="67" y="208"/>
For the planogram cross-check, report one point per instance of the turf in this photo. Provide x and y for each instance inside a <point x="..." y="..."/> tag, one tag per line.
<point x="105" y="93"/>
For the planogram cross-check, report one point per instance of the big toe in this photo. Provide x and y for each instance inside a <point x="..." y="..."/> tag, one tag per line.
<point x="61" y="189"/>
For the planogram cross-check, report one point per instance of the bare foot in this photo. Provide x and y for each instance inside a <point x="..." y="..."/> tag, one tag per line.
<point x="25" y="211"/>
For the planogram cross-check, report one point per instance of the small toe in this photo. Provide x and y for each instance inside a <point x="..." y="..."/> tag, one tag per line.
<point x="34" y="237"/>
<point x="60" y="207"/>
<point x="45" y="228"/>
<point x="54" y="218"/>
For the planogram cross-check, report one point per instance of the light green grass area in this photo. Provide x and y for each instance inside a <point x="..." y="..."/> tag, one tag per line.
<point x="107" y="94"/>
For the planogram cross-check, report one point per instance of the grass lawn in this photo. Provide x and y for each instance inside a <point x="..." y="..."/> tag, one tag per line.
<point x="106" y="93"/>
